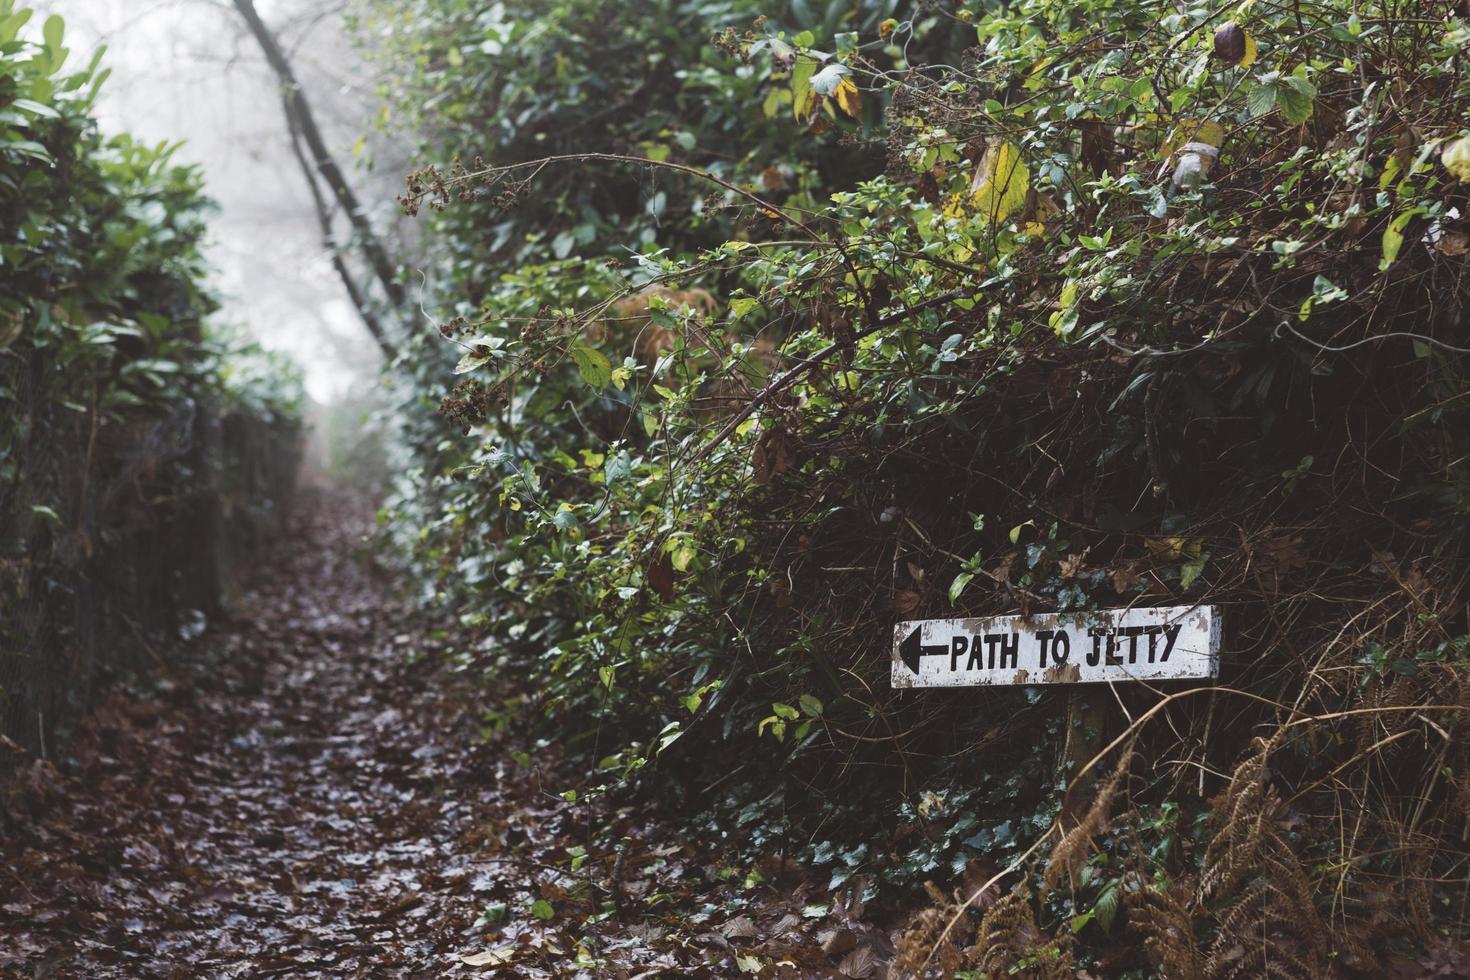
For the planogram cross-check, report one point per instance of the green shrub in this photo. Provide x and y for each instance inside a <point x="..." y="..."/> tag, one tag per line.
<point x="135" y="445"/>
<point x="1039" y="357"/>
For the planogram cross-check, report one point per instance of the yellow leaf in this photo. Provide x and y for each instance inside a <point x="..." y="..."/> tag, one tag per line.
<point x="1393" y="238"/>
<point x="1456" y="158"/>
<point x="849" y="99"/>
<point x="1001" y="180"/>
<point x="1191" y="130"/>
<point x="801" y="87"/>
<point x="812" y="104"/>
<point x="1249" y="58"/>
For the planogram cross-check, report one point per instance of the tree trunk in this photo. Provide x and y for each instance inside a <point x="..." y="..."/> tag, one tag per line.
<point x="304" y="128"/>
<point x="360" y="302"/>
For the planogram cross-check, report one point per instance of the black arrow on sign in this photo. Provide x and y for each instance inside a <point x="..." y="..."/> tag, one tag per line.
<point x="912" y="648"/>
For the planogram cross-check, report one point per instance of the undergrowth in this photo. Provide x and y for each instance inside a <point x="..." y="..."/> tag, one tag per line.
<point x="971" y="310"/>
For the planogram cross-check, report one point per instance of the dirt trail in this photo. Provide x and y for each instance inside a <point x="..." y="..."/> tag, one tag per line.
<point x="315" y="799"/>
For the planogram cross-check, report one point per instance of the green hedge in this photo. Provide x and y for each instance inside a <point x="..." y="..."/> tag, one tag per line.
<point x="700" y="457"/>
<point x="141" y="453"/>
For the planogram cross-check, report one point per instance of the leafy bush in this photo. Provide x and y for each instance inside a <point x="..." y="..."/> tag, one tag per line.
<point x="1142" y="305"/>
<point x="120" y="415"/>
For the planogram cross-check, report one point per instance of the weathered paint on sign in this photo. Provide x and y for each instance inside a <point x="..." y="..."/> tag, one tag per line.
<point x="1159" y="643"/>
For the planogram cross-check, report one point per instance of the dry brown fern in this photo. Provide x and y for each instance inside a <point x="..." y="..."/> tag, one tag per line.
<point x="1164" y="918"/>
<point x="923" y="940"/>
<point x="1009" y="943"/>
<point x="1243" y="813"/>
<point x="1271" y="930"/>
<point x="631" y="322"/>
<point x="1075" y="847"/>
<point x="1269" y="925"/>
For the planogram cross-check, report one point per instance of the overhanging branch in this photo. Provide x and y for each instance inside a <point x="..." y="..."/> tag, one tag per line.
<point x="304" y="128"/>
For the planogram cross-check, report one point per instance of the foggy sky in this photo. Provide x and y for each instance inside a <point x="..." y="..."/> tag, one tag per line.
<point x="187" y="70"/>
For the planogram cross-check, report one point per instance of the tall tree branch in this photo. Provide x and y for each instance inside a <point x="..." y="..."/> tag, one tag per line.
<point x="303" y="121"/>
<point x="329" y="241"/>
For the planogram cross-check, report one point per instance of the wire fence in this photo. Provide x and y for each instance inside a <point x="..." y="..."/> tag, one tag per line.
<point x="118" y="538"/>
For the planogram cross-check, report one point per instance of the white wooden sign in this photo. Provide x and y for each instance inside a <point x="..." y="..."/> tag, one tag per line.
<point x="1160" y="643"/>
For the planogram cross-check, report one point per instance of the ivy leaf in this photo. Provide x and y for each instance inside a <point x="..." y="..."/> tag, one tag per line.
<point x="593" y="365"/>
<point x="1190" y="571"/>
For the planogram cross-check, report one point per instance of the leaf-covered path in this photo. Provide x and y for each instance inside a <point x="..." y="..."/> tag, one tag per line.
<point x="315" y="798"/>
